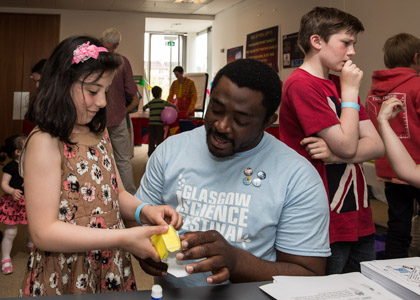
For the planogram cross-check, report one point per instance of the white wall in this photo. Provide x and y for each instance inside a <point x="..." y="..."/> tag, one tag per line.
<point x="73" y="22"/>
<point x="381" y="19"/>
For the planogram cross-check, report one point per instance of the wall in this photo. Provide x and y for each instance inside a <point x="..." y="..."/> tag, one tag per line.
<point x="381" y="19"/>
<point x="131" y="25"/>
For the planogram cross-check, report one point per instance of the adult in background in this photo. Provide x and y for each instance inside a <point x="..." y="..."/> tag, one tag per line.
<point x="123" y="87"/>
<point x="183" y="94"/>
<point x="36" y="74"/>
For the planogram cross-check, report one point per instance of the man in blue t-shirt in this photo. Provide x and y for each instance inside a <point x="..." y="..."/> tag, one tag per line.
<point x="252" y="207"/>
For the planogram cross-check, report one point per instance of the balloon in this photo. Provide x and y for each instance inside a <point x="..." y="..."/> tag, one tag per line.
<point x="169" y="115"/>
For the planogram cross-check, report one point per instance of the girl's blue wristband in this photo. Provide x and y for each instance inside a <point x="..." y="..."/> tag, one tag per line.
<point x="350" y="104"/>
<point x="138" y="210"/>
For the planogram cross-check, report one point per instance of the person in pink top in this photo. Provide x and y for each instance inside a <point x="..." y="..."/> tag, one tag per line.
<point x="401" y="81"/>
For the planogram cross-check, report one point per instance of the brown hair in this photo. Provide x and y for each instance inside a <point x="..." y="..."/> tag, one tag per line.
<point x="326" y="21"/>
<point x="399" y="50"/>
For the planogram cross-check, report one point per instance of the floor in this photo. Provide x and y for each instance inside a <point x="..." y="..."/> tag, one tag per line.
<point x="10" y="284"/>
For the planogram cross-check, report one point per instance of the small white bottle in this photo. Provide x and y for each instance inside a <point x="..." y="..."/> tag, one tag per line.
<point x="157" y="292"/>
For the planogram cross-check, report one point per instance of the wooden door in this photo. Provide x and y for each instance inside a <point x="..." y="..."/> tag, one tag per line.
<point x="24" y="40"/>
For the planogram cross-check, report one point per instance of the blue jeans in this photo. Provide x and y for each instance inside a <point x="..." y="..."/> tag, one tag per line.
<point x="346" y="256"/>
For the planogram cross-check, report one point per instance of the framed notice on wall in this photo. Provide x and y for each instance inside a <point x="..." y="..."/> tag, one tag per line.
<point x="263" y="46"/>
<point x="292" y="55"/>
<point x="235" y="53"/>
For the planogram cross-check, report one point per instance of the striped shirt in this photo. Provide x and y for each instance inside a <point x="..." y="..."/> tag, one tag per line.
<point x="156" y="107"/>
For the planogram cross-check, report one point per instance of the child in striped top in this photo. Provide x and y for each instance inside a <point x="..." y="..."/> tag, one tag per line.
<point x="156" y="107"/>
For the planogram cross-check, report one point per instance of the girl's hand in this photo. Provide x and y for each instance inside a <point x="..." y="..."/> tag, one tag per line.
<point x="160" y="215"/>
<point x="17" y="194"/>
<point x="137" y="241"/>
<point x="389" y="109"/>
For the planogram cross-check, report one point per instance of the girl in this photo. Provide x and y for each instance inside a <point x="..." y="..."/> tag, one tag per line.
<point x="75" y="200"/>
<point x="400" y="160"/>
<point x="12" y="203"/>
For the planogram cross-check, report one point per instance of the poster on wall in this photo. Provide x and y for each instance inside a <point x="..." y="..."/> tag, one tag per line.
<point x="292" y="55"/>
<point x="235" y="53"/>
<point x="263" y="46"/>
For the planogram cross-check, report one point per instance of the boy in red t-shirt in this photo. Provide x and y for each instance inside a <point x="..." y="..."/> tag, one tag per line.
<point x="401" y="80"/>
<point x="322" y="119"/>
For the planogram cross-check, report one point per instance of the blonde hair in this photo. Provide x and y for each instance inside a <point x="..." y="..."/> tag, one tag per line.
<point x="111" y="36"/>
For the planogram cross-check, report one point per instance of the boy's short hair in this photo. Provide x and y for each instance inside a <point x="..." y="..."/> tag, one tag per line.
<point x="399" y="50"/>
<point x="156" y="92"/>
<point x="326" y="21"/>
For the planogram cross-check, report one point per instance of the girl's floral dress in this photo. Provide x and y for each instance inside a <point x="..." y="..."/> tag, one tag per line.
<point x="89" y="197"/>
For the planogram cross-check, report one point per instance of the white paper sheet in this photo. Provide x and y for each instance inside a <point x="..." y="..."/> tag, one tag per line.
<point x="350" y="286"/>
<point x="175" y="267"/>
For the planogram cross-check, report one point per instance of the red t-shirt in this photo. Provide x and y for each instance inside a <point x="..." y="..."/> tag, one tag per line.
<point x="310" y="104"/>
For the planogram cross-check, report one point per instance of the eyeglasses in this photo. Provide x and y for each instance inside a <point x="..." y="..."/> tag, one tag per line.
<point x="35" y="78"/>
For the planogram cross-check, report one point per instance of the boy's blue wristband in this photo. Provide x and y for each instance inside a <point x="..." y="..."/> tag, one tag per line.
<point x="138" y="210"/>
<point x="350" y="104"/>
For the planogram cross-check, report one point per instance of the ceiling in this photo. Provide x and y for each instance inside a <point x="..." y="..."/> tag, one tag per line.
<point x="186" y="7"/>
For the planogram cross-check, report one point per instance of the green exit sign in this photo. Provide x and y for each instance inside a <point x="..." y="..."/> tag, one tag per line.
<point x="170" y="43"/>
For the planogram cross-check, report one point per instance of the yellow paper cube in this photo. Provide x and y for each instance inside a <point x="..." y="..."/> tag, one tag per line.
<point x="169" y="241"/>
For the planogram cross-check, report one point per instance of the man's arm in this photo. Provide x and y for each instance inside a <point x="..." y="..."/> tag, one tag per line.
<point x="230" y="263"/>
<point x="193" y="96"/>
<point x="171" y="92"/>
<point x="370" y="146"/>
<point x="134" y="103"/>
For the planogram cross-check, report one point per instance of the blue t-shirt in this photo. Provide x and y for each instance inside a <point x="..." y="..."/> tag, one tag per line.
<point x="282" y="205"/>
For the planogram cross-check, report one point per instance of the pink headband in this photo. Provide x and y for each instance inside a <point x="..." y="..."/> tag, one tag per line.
<point x="85" y="51"/>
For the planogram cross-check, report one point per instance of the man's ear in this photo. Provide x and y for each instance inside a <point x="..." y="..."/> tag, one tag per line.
<point x="270" y="120"/>
<point x="315" y="41"/>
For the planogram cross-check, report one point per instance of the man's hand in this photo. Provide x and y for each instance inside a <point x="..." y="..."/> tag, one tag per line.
<point x="220" y="258"/>
<point x="152" y="267"/>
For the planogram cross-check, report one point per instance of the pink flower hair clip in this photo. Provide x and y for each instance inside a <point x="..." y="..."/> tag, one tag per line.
<point x="85" y="51"/>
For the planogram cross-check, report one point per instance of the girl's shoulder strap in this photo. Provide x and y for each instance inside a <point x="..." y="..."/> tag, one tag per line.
<point x="22" y="156"/>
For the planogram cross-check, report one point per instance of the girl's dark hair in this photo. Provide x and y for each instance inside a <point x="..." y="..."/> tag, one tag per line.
<point x="53" y="109"/>
<point x="257" y="76"/>
<point x="12" y="144"/>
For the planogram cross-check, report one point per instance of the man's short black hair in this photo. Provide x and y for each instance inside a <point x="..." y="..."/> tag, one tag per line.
<point x="37" y="68"/>
<point x="178" y="69"/>
<point x="257" y="76"/>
